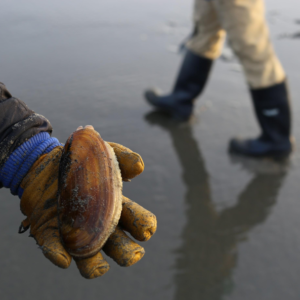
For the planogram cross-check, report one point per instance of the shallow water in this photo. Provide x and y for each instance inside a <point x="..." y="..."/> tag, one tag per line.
<point x="228" y="228"/>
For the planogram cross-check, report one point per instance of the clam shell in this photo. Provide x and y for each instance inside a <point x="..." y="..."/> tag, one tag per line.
<point x="89" y="193"/>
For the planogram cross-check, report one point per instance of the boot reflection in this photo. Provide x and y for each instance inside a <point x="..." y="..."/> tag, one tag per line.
<point x="208" y="255"/>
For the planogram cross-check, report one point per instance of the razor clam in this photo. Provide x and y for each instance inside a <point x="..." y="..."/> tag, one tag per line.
<point x="89" y="193"/>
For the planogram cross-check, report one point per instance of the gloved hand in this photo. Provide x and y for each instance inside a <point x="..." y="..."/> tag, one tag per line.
<point x="39" y="204"/>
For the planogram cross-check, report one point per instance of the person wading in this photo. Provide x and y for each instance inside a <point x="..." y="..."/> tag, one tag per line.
<point x="248" y="36"/>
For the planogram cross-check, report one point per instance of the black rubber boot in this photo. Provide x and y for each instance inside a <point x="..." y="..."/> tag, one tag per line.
<point x="190" y="83"/>
<point x="272" y="109"/>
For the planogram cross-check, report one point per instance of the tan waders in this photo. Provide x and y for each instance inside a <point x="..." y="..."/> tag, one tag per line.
<point x="244" y="24"/>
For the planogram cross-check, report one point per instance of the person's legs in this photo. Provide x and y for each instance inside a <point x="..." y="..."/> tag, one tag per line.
<point x="248" y="36"/>
<point x="202" y="48"/>
<point x="208" y="37"/>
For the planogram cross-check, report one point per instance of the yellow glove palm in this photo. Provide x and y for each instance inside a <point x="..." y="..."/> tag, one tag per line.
<point x="39" y="204"/>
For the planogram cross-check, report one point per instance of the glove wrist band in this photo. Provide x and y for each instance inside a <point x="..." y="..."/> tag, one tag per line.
<point x="21" y="160"/>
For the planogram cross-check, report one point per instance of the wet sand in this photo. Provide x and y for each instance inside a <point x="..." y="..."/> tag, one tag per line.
<point x="228" y="228"/>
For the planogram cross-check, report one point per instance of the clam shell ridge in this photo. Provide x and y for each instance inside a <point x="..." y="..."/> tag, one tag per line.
<point x="89" y="193"/>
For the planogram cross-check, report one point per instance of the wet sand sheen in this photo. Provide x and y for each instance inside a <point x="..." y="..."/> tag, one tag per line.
<point x="227" y="228"/>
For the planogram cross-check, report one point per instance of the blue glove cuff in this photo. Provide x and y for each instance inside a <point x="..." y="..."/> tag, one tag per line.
<point x="21" y="160"/>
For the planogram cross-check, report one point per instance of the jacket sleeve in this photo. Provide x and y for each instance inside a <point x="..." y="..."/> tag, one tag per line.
<point x="18" y="123"/>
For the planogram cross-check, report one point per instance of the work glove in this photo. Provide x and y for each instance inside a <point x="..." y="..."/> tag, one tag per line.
<point x="39" y="192"/>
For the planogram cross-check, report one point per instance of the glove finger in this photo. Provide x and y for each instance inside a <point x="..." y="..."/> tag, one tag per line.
<point x="49" y="242"/>
<point x="138" y="221"/>
<point x="92" y="267"/>
<point x="122" y="249"/>
<point x="131" y="164"/>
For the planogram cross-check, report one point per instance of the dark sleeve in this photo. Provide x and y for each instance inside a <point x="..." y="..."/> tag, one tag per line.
<point x="18" y="123"/>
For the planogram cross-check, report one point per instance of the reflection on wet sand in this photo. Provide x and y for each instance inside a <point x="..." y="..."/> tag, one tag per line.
<point x="208" y="255"/>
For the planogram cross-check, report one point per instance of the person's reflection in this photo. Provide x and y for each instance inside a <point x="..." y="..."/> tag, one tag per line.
<point x="208" y="254"/>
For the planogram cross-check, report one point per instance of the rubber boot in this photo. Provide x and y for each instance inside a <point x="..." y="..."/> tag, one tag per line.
<point x="272" y="109"/>
<point x="190" y="82"/>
